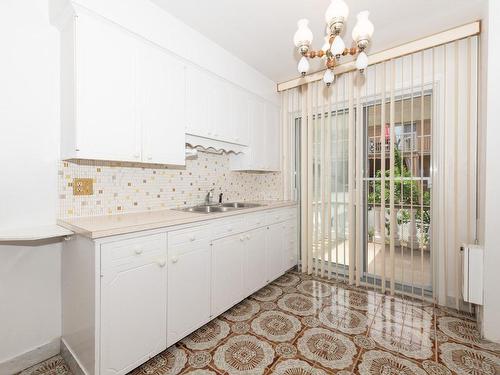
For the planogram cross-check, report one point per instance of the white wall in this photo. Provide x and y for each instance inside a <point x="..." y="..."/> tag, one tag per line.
<point x="30" y="283"/>
<point x="30" y="311"/>
<point x="491" y="309"/>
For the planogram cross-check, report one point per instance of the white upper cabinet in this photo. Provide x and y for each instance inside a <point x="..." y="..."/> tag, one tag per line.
<point x="217" y="109"/>
<point x="163" y="109"/>
<point x="123" y="98"/>
<point x="264" y="149"/>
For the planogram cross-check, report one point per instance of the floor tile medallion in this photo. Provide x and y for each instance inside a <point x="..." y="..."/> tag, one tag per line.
<point x="377" y="362"/>
<point x="268" y="293"/>
<point x="299" y="304"/>
<point x="244" y="310"/>
<point x="244" y="355"/>
<point x="315" y="288"/>
<point x="168" y="362"/>
<point x="344" y="319"/>
<point x="207" y="336"/>
<point x="276" y="326"/>
<point x="296" y="367"/>
<point x="330" y="349"/>
<point x="465" y="360"/>
<point x="464" y="331"/>
<point x="52" y="366"/>
<point x="435" y="368"/>
<point x="405" y="340"/>
<point x="288" y="279"/>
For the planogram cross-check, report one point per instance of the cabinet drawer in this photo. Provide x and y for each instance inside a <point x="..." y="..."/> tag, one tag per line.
<point x="256" y="220"/>
<point x="189" y="235"/>
<point x="291" y="213"/>
<point x="228" y="227"/>
<point x="276" y="216"/>
<point x="133" y="252"/>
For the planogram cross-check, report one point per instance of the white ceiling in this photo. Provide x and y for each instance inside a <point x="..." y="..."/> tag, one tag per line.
<point x="260" y="32"/>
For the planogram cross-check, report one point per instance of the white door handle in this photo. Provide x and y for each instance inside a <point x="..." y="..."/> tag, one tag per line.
<point x="162" y="262"/>
<point x="174" y="259"/>
<point x="138" y="251"/>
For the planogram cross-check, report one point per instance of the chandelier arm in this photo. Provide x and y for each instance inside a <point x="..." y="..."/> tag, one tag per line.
<point x="347" y="51"/>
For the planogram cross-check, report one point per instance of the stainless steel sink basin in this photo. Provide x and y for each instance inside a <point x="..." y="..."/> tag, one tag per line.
<point x="207" y="209"/>
<point x="240" y="205"/>
<point x="224" y="207"/>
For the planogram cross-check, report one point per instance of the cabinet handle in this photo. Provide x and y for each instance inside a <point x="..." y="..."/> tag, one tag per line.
<point x="174" y="259"/>
<point x="138" y="251"/>
<point x="162" y="262"/>
<point x="242" y="238"/>
<point x="192" y="238"/>
<point x="248" y="236"/>
<point x="229" y="229"/>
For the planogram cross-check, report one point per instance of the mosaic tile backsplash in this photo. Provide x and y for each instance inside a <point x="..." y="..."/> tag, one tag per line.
<point x="122" y="187"/>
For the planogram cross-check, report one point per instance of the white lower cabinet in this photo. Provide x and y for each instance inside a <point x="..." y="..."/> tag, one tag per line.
<point x="127" y="298"/>
<point x="255" y="260"/>
<point x="133" y="302"/>
<point x="275" y="251"/>
<point x="227" y="272"/>
<point x="188" y="288"/>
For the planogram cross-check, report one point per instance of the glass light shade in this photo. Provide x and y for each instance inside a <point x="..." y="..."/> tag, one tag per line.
<point x="328" y="77"/>
<point x="303" y="67"/>
<point x="364" y="27"/>
<point x="362" y="61"/>
<point x="326" y="45"/>
<point x="336" y="9"/>
<point x="338" y="46"/>
<point x="303" y="35"/>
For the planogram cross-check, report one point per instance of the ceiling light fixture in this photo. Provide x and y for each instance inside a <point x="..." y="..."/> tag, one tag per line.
<point x="334" y="47"/>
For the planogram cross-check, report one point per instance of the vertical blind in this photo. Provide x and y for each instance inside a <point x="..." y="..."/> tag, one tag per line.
<point x="384" y="164"/>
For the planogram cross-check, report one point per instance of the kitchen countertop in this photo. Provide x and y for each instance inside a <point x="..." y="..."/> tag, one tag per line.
<point x="111" y="225"/>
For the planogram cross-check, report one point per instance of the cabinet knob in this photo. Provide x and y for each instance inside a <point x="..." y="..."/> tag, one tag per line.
<point x="174" y="259"/>
<point x="162" y="262"/>
<point x="138" y="251"/>
<point x="192" y="238"/>
<point x="248" y="236"/>
<point x="242" y="238"/>
<point x="229" y="229"/>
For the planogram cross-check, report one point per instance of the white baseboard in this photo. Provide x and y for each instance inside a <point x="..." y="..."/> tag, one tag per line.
<point x="71" y="360"/>
<point x="30" y="358"/>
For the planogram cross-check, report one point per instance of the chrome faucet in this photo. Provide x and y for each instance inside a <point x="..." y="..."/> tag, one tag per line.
<point x="209" y="196"/>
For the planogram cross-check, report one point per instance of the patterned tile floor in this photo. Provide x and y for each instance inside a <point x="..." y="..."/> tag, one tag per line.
<point x="301" y="325"/>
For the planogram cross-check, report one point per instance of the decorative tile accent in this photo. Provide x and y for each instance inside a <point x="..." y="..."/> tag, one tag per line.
<point x="127" y="187"/>
<point x="295" y="333"/>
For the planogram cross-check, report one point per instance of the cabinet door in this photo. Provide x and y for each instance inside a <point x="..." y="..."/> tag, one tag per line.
<point x="257" y="158"/>
<point x="161" y="87"/>
<point x="199" y="102"/>
<point x="188" y="289"/>
<point x="133" y="302"/>
<point x="106" y="114"/>
<point x="275" y="251"/>
<point x="290" y="243"/>
<point x="272" y="138"/>
<point x="255" y="260"/>
<point x="227" y="273"/>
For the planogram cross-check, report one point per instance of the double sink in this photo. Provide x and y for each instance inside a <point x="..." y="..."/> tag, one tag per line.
<point x="220" y="207"/>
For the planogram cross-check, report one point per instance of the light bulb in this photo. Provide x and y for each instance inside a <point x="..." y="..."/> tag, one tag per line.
<point x="303" y="36"/>
<point x="338" y="46"/>
<point x="362" y="61"/>
<point x="337" y="10"/>
<point x="328" y="77"/>
<point x="363" y="31"/>
<point x="303" y="67"/>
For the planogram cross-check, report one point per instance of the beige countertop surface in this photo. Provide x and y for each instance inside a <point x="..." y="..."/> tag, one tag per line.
<point x="111" y="225"/>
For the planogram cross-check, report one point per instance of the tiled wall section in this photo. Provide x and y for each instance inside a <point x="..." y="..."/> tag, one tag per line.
<point x="120" y="188"/>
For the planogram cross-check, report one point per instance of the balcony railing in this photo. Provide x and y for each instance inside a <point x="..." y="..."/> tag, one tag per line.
<point x="405" y="143"/>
